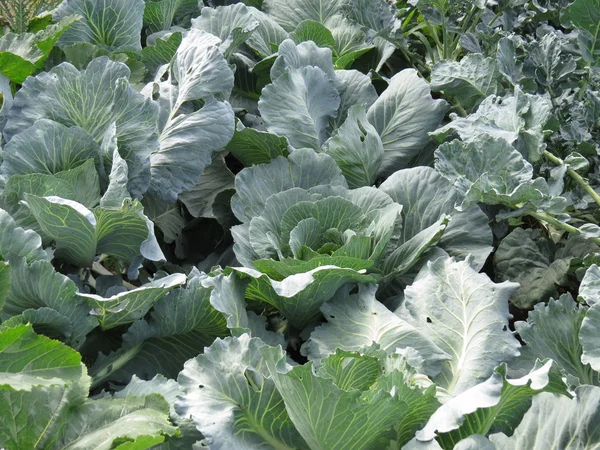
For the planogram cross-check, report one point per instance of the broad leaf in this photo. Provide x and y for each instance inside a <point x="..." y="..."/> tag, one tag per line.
<point x="552" y="331"/>
<point x="126" y="307"/>
<point x="303" y="169"/>
<point x="163" y="14"/>
<point x="356" y="321"/>
<point x="250" y="146"/>
<point x="466" y="315"/>
<point x="181" y="324"/>
<point x="110" y="24"/>
<point x="38" y="285"/>
<point x="471" y="80"/>
<point x="232" y="398"/>
<point x="585" y="16"/>
<point x="403" y="116"/>
<point x="298" y="105"/>
<point x="188" y="138"/>
<point x="425" y="197"/>
<point x="356" y="148"/>
<point x="123" y="233"/>
<point x="93" y="99"/>
<point x="290" y="13"/>
<point x="567" y="423"/>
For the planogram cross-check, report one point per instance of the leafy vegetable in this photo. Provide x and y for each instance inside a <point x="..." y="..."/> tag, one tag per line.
<point x="299" y="224"/>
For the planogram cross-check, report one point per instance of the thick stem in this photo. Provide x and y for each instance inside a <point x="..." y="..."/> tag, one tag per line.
<point x="575" y="176"/>
<point x="560" y="225"/>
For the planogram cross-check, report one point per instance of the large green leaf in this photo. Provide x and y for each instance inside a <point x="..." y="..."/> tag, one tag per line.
<point x="300" y="296"/>
<point x="38" y="285"/>
<point x="43" y="401"/>
<point x="329" y="417"/>
<point x="303" y="169"/>
<point x="588" y="290"/>
<point x="297" y="56"/>
<point x="355" y="88"/>
<point x="466" y="315"/>
<point x="129" y="306"/>
<point x="40" y="379"/>
<point x="181" y="324"/>
<point x="48" y="147"/>
<point x="298" y="105"/>
<point x="496" y="405"/>
<point x="425" y="196"/>
<point x="81" y="184"/>
<point x="356" y="148"/>
<point x="163" y="14"/>
<point x="81" y="234"/>
<point x="251" y="146"/>
<point x="403" y="116"/>
<point x="110" y="24"/>
<point x="471" y="80"/>
<point x="289" y="13"/>
<point x="552" y="331"/>
<point x="557" y="422"/>
<point x="188" y="138"/>
<point x="93" y="99"/>
<point x="232" y="398"/>
<point x="356" y="321"/>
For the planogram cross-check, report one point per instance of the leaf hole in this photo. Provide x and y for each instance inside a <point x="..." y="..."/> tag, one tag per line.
<point x="429" y="320"/>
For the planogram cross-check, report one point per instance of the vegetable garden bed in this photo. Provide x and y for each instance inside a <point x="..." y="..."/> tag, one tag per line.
<point x="299" y="224"/>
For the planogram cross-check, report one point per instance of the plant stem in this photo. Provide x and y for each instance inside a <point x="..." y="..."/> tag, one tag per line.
<point x="560" y="225"/>
<point x="575" y="176"/>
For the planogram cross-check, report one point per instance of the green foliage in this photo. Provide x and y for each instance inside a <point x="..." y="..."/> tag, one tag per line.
<point x="299" y="224"/>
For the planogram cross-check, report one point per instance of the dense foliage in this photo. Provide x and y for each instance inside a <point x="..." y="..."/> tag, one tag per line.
<point x="300" y="224"/>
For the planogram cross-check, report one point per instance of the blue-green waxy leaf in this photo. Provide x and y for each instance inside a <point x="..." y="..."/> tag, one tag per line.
<point x="327" y="416"/>
<point x="37" y="285"/>
<point x="490" y="170"/>
<point x="355" y="88"/>
<point x="356" y="148"/>
<point x="356" y="321"/>
<point x="163" y="14"/>
<point x="126" y="307"/>
<point x="110" y="24"/>
<point x="225" y="21"/>
<point x="551" y="331"/>
<point x="18" y="242"/>
<point x="181" y="324"/>
<point x="299" y="104"/>
<point x="302" y="169"/>
<point x="584" y="15"/>
<point x="296" y="56"/>
<point x="471" y="80"/>
<point x="188" y="138"/>
<point x="557" y="421"/>
<point x="233" y="400"/>
<point x="425" y="197"/>
<point x="290" y="13"/>
<point x="495" y="405"/>
<point x="48" y="147"/>
<point x="403" y="116"/>
<point x="81" y="234"/>
<point x="466" y="315"/>
<point x="519" y="119"/>
<point x="93" y="99"/>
